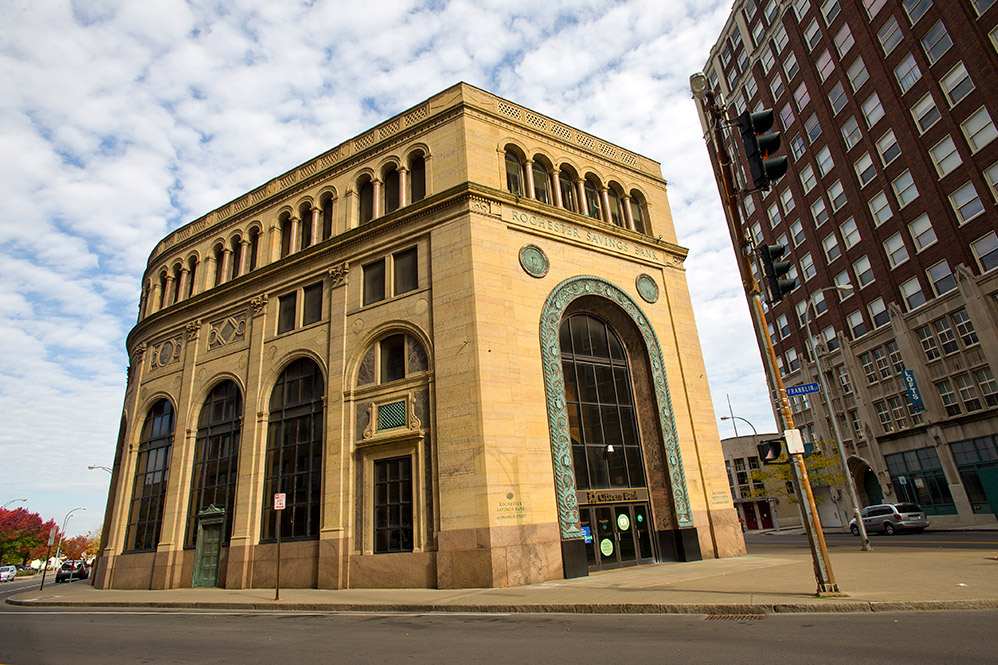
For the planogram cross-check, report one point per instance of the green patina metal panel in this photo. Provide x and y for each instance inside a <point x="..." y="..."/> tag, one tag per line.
<point x="554" y="384"/>
<point x="209" y="547"/>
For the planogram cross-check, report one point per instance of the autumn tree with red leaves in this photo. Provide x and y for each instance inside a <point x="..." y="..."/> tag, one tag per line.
<point x="23" y="536"/>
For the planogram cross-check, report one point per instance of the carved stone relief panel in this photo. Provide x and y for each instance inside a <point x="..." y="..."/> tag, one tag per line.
<point x="227" y="330"/>
<point x="166" y="352"/>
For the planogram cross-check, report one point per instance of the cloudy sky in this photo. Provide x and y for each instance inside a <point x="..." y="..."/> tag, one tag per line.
<point x="121" y="121"/>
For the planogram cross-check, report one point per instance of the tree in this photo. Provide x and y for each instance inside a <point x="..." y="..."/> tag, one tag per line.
<point x="777" y="479"/>
<point x="82" y="547"/>
<point x="22" y="534"/>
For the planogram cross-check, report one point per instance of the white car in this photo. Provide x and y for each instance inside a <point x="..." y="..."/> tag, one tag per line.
<point x="7" y="573"/>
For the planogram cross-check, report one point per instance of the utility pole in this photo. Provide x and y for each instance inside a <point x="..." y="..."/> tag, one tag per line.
<point x="729" y="194"/>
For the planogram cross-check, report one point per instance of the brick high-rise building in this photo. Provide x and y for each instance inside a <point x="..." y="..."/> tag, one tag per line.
<point x="887" y="112"/>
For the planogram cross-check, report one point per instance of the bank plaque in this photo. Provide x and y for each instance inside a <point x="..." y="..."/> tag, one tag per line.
<point x="597" y="497"/>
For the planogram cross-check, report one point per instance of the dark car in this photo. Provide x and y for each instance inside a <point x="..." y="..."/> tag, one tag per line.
<point x="891" y="518"/>
<point x="72" y="570"/>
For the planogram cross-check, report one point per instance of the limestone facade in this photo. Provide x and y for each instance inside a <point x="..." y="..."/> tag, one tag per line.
<point x="379" y="335"/>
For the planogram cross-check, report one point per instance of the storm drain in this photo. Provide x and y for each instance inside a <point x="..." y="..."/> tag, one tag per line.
<point x="734" y="617"/>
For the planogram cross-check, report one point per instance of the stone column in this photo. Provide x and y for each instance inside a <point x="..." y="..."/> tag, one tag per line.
<point x="556" y="190"/>
<point x="226" y="267"/>
<point x="580" y="191"/>
<point x="244" y="257"/>
<point x="274" y="252"/>
<point x="528" y="170"/>
<point x="628" y="215"/>
<point x="605" y="208"/>
<point x="185" y="280"/>
<point x="157" y="296"/>
<point x="316" y="225"/>
<point x="168" y="291"/>
<point x="294" y="230"/>
<point x="208" y="274"/>
<point x="376" y="204"/>
<point x="403" y="186"/>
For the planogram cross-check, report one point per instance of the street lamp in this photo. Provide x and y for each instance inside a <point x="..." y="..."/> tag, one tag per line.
<point x="98" y="466"/>
<point x="755" y="434"/>
<point x="864" y="539"/>
<point x="63" y="533"/>
<point x="10" y="502"/>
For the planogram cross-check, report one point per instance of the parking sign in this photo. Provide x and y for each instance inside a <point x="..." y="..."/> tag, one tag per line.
<point x="279" y="500"/>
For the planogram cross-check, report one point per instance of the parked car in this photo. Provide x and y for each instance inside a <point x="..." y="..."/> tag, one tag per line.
<point x="72" y="570"/>
<point x="7" y="573"/>
<point x="890" y="518"/>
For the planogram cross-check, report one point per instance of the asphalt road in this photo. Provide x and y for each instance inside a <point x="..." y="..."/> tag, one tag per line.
<point x="988" y="540"/>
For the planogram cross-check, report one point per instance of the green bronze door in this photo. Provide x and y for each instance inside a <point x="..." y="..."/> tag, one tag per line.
<point x="209" y="547"/>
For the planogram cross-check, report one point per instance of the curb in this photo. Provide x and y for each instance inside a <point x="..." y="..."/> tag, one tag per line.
<point x="555" y="608"/>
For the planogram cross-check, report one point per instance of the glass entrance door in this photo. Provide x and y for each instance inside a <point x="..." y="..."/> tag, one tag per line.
<point x="617" y="535"/>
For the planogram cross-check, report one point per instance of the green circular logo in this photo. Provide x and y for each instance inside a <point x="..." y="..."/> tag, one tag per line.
<point x="647" y="288"/>
<point x="623" y="522"/>
<point x="534" y="261"/>
<point x="606" y="547"/>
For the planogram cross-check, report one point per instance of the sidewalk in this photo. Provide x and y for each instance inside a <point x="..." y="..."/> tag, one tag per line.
<point x="881" y="580"/>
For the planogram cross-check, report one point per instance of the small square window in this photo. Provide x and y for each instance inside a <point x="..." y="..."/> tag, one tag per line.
<point x="911" y="291"/>
<point x="812" y="34"/>
<point x="819" y="212"/>
<point x="936" y="42"/>
<point x="880" y="208"/>
<point x="374" y="282"/>
<point x="904" y="188"/>
<point x="907" y="73"/>
<point x="864" y="272"/>
<point x="813" y="128"/>
<point x="979" y="129"/>
<point x="925" y="112"/>
<point x="878" y="313"/>
<point x="889" y="35"/>
<point x="837" y="195"/>
<point x="843" y="40"/>
<point x="888" y="147"/>
<point x="851" y="133"/>
<point x="850" y="234"/>
<point x="406" y="271"/>
<point x="896" y="252"/>
<point x="957" y="84"/>
<point x="807" y="178"/>
<point x="915" y="9"/>
<point x="831" y="246"/>
<point x="872" y="110"/>
<point x="801" y="96"/>
<point x="922" y="233"/>
<point x="865" y="170"/>
<point x="966" y="203"/>
<point x="837" y="98"/>
<point x="825" y="65"/>
<point x="986" y="251"/>
<point x="825" y="162"/>
<point x="944" y="156"/>
<point x="857" y="74"/>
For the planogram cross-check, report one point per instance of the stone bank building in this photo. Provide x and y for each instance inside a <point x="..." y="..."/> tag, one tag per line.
<point x="461" y="345"/>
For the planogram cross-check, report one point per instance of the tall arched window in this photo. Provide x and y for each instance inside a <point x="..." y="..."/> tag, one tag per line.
<point x="192" y="266"/>
<point x="237" y="256"/>
<point x="542" y="183"/>
<point x="152" y="473"/>
<point x="636" y="212"/>
<point x="305" y="226"/>
<point x="417" y="179"/>
<point x="514" y="173"/>
<point x="177" y="294"/>
<point x="616" y="207"/>
<point x="254" y="247"/>
<point x="392" y="188"/>
<point x="366" y="201"/>
<point x="216" y="457"/>
<point x="219" y="255"/>
<point x="567" y="186"/>
<point x="606" y="448"/>
<point x="327" y="218"/>
<point x="294" y="451"/>
<point x="285" y="235"/>
<point x="592" y="198"/>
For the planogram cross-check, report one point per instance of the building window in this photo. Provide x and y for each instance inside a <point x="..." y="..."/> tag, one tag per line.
<point x="592" y="198"/>
<point x="748" y="202"/>
<point x="152" y="474"/>
<point x="972" y="456"/>
<point x="393" y="358"/>
<point x="936" y="42"/>
<point x="966" y="203"/>
<point x="865" y="171"/>
<point x="294" y="451"/>
<point x="812" y="127"/>
<point x="787" y="199"/>
<point x="843" y="40"/>
<point x="751" y="87"/>
<point x="888" y="147"/>
<point x="918" y="477"/>
<point x="851" y="133"/>
<point x="812" y="34"/>
<point x="374" y="282"/>
<point x="911" y="291"/>
<point x="981" y="6"/>
<point x="856" y="324"/>
<point x="820" y="306"/>
<point x="880" y="208"/>
<point x="567" y="186"/>
<point x="288" y="315"/>
<point x="925" y="112"/>
<point x="797" y="146"/>
<point x="392" y="190"/>
<point x="843" y="376"/>
<point x="393" y="508"/>
<point x="831" y="246"/>
<point x="790" y="65"/>
<point x="979" y="129"/>
<point x="884" y="416"/>
<point x="837" y="98"/>
<point x="786" y="115"/>
<point x="895" y="355"/>
<point x="915" y="9"/>
<point x="797" y="232"/>
<point x="807" y="179"/>
<point x="872" y="110"/>
<point x="807" y="266"/>
<point x="922" y="233"/>
<point x="366" y="196"/>
<point x="986" y="251"/>
<point x="957" y="84"/>
<point x="542" y="183"/>
<point x="819" y="212"/>
<point x="941" y="278"/>
<point x="767" y="59"/>
<point x="907" y="73"/>
<point x="825" y="65"/>
<point x="864" y="272"/>
<point x="417" y="178"/>
<point x="793" y="361"/>
<point x="404" y="272"/>
<point x="990" y="174"/>
<point x="889" y="35"/>
<point x="776" y="86"/>
<point x="514" y="174"/>
<point x="948" y="397"/>
<point x="837" y="195"/>
<point x="928" y="342"/>
<point x="850" y="233"/>
<point x="965" y="328"/>
<point x="869" y="368"/>
<point x="842" y="279"/>
<point x="878" y="313"/>
<point x="873" y="6"/>
<point x="216" y="458"/>
<point x="895" y="250"/>
<point x="944" y="156"/>
<point x="989" y="388"/>
<point x="784" y="325"/>
<point x="904" y="189"/>
<point x="825" y="162"/>
<point x="830" y="9"/>
<point x="831" y="339"/>
<point x="857" y="74"/>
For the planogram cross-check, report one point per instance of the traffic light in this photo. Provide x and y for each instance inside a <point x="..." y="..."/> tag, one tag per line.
<point x="759" y="146"/>
<point x="779" y="284"/>
<point x="770" y="451"/>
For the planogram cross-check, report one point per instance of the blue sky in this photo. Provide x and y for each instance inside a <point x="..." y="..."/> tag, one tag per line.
<point x="122" y="121"/>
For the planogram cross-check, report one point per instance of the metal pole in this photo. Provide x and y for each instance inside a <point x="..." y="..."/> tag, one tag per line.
<point x="825" y="396"/>
<point x="277" y="584"/>
<point x="732" y="416"/>
<point x="812" y="525"/>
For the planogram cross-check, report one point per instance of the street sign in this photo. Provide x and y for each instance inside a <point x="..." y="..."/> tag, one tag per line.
<point x="803" y="389"/>
<point x="279" y="501"/>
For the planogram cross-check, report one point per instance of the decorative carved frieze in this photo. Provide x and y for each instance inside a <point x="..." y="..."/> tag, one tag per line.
<point x="193" y="328"/>
<point x="259" y="304"/>
<point x="166" y="352"/>
<point x="339" y="273"/>
<point x="226" y="331"/>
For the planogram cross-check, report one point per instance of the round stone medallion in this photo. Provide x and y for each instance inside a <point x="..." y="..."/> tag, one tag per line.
<point x="534" y="261"/>
<point x="647" y="288"/>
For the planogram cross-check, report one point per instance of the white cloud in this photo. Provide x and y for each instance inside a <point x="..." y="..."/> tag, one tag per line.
<point x="129" y="119"/>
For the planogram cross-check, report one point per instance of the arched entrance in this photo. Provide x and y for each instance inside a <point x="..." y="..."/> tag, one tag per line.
<point x="633" y="499"/>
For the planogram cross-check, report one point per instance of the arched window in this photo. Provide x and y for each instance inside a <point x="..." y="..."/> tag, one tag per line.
<point x="392" y="189"/>
<point x="637" y="213"/>
<point x="216" y="457"/>
<point x="219" y="255"/>
<point x="542" y="183"/>
<point x="192" y="266"/>
<point x="366" y="201"/>
<point x="592" y="188"/>
<point x="294" y="451"/>
<point x="237" y="256"/>
<point x="417" y="179"/>
<point x="567" y="185"/>
<point x="394" y="357"/>
<point x="616" y="208"/>
<point x="177" y="294"/>
<point x="514" y="173"/>
<point x="327" y="218"/>
<point x="606" y="449"/>
<point x="305" y="227"/>
<point x="163" y="295"/>
<point x="254" y="247"/>
<point x="152" y="473"/>
<point x="285" y="235"/>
